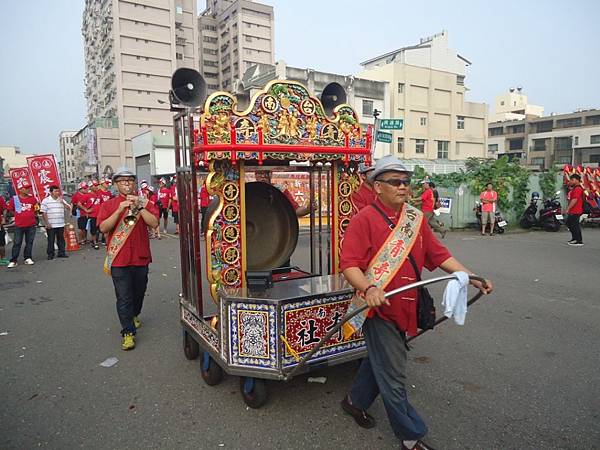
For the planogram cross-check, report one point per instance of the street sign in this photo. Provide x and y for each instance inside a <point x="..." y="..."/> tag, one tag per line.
<point x="384" y="137"/>
<point x="391" y="124"/>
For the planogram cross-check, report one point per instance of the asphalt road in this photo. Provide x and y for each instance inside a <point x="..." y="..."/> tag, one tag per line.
<point x="523" y="373"/>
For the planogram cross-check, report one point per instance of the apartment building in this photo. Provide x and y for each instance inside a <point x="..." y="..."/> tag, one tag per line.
<point x="131" y="50"/>
<point x="514" y="105"/>
<point x="542" y="142"/>
<point x="427" y="83"/>
<point x="233" y="36"/>
<point x="67" y="158"/>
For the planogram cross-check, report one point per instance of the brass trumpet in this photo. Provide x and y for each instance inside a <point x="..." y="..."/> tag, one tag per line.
<point x="134" y="210"/>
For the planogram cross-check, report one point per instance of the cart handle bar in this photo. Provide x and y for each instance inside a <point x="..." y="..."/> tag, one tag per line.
<point x="347" y="317"/>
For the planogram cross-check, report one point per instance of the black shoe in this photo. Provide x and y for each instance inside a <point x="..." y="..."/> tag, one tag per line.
<point x="360" y="417"/>
<point x="63" y="256"/>
<point x="50" y="257"/>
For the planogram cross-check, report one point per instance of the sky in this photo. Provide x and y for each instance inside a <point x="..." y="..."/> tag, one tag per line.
<point x="550" y="48"/>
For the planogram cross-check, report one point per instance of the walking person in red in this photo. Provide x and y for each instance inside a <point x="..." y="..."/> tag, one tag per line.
<point x="3" y="262"/>
<point x="574" y="210"/>
<point x="79" y="199"/>
<point x="427" y="206"/>
<point x="25" y="207"/>
<point x="384" y="247"/>
<point x="164" y="199"/>
<point x="128" y="250"/>
<point x="91" y="207"/>
<point x="365" y="195"/>
<point x="175" y="203"/>
<point x="488" y="208"/>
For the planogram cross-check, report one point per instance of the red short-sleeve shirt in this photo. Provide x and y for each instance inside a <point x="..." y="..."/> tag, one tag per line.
<point x="136" y="251"/>
<point x="428" y="200"/>
<point x="364" y="196"/>
<point x="26" y="216"/>
<point x="365" y="235"/>
<point x="576" y="193"/>
<point x="2" y="204"/>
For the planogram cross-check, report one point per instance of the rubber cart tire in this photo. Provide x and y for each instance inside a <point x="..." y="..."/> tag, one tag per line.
<point x="211" y="372"/>
<point x="254" y="392"/>
<point x="191" y="349"/>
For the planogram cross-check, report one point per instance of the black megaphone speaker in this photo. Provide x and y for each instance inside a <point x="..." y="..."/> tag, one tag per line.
<point x="333" y="95"/>
<point x="188" y="88"/>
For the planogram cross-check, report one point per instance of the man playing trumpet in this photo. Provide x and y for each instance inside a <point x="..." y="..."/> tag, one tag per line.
<point x="125" y="220"/>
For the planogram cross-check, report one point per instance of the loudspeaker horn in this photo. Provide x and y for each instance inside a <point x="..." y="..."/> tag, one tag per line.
<point x="333" y="95"/>
<point x="188" y="88"/>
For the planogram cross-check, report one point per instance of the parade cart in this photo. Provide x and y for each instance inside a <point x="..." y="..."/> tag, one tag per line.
<point x="254" y="302"/>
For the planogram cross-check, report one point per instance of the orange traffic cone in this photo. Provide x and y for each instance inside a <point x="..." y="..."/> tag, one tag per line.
<point x="71" y="238"/>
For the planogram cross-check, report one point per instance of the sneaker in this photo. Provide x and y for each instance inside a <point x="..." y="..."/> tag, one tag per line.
<point x="572" y="241"/>
<point x="29" y="262"/>
<point x="419" y="445"/>
<point x="50" y="257"/>
<point x="62" y="256"/>
<point x="96" y="246"/>
<point x="572" y="244"/>
<point x="128" y="341"/>
<point x="361" y="417"/>
<point x="137" y="322"/>
<point x="11" y="265"/>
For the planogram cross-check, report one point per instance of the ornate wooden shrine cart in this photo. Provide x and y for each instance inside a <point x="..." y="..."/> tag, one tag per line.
<point x="245" y="306"/>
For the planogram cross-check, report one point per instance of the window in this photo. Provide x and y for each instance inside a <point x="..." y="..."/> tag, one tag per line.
<point x="515" y="144"/>
<point x="179" y="55"/>
<point x="564" y="160"/>
<point x="498" y="131"/>
<point x="210" y="75"/>
<point x="367" y="108"/>
<point x="211" y="40"/>
<point x="210" y="63"/>
<point x="400" y="88"/>
<point x="179" y="9"/>
<point x="576" y="140"/>
<point x="569" y="123"/>
<point x="247" y="38"/>
<point x="543" y="127"/>
<point x="419" y="145"/>
<point x="595" y="158"/>
<point x="460" y="122"/>
<point x="539" y="145"/>
<point x="442" y="149"/>
<point x="592" y="120"/>
<point x="502" y="103"/>
<point x="423" y="121"/>
<point x="595" y="139"/>
<point x="538" y="161"/>
<point x="563" y="143"/>
<point x="514" y="129"/>
<point x="210" y="51"/>
<point x="400" y="145"/>
<point x="209" y="27"/>
<point x="492" y="148"/>
<point x="460" y="80"/>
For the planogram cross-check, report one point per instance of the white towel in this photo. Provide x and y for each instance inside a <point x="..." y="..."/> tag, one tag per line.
<point x="455" y="297"/>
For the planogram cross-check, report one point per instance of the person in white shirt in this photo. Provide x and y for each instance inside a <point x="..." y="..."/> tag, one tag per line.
<point x="53" y="211"/>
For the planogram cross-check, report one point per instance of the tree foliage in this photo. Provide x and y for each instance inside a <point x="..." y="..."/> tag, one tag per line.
<point x="548" y="182"/>
<point x="502" y="173"/>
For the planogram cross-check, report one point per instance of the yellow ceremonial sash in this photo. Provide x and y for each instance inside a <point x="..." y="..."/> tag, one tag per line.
<point x="117" y="240"/>
<point x="387" y="262"/>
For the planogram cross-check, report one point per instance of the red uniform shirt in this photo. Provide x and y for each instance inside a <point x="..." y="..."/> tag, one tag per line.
<point x="576" y="193"/>
<point x="2" y="205"/>
<point x="164" y="195"/>
<point x="104" y="195"/>
<point x="92" y="202"/>
<point x="204" y="197"/>
<point x="26" y="216"/>
<point x="365" y="235"/>
<point x="83" y="199"/>
<point x="174" y="200"/>
<point x="291" y="198"/>
<point x="136" y="250"/>
<point x="364" y="196"/>
<point x="428" y="200"/>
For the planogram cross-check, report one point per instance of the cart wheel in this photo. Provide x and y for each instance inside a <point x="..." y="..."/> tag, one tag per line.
<point x="211" y="372"/>
<point x="190" y="346"/>
<point x="254" y="392"/>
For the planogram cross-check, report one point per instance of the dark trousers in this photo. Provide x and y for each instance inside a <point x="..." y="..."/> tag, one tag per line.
<point x="574" y="227"/>
<point x="384" y="372"/>
<point x="57" y="234"/>
<point x="27" y="233"/>
<point x="130" y="287"/>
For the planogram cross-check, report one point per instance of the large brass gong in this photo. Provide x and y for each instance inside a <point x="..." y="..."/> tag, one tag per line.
<point x="271" y="227"/>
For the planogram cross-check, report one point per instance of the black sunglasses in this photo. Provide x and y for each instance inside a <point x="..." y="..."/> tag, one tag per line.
<point x="396" y="182"/>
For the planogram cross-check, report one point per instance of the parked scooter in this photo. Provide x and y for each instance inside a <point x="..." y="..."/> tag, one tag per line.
<point x="550" y="217"/>
<point x="499" y="222"/>
<point x="591" y="210"/>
